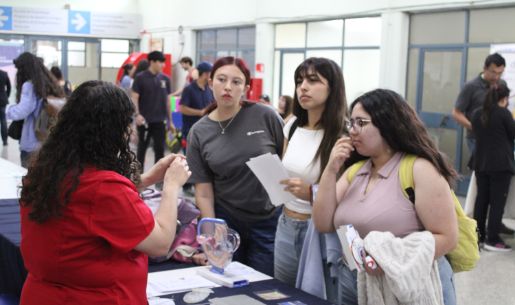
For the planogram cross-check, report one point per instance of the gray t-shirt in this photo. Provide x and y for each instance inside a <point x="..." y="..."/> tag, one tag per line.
<point x="472" y="97"/>
<point x="220" y="159"/>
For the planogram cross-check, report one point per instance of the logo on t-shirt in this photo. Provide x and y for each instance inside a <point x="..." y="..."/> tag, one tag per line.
<point x="163" y="84"/>
<point x="249" y="133"/>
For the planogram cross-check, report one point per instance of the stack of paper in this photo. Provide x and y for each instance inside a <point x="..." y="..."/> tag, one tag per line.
<point x="270" y="171"/>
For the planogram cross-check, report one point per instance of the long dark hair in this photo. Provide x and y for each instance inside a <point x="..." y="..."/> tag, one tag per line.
<point x="402" y="129"/>
<point x="31" y="68"/>
<point x="141" y="66"/>
<point x="288" y="106"/>
<point x="229" y="60"/>
<point x="335" y="111"/>
<point x="92" y="130"/>
<point x="493" y="96"/>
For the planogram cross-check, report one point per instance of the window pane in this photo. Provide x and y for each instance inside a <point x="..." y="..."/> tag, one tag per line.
<point x="49" y="51"/>
<point x="363" y="31"/>
<point x="361" y="72"/>
<point x="76" y="59"/>
<point x="446" y="27"/>
<point x="249" y="57"/>
<point x="485" y="25"/>
<point x="412" y="77"/>
<point x="335" y="55"/>
<point x="226" y="39"/>
<point x="76" y="46"/>
<point x="115" y="45"/>
<point x="291" y="35"/>
<point x="441" y="81"/>
<point x="222" y="53"/>
<point x="290" y="62"/>
<point x="207" y="56"/>
<point x="113" y="60"/>
<point x="207" y="40"/>
<point x="475" y="61"/>
<point x="247" y="38"/>
<point x="325" y="33"/>
<point x="277" y="71"/>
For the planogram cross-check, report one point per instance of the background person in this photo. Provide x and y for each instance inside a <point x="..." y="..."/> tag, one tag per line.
<point x="5" y="92"/>
<point x="494" y="130"/>
<point x="150" y="94"/>
<point x="192" y="73"/>
<point x="64" y="84"/>
<point x="285" y="107"/>
<point x="34" y="83"/>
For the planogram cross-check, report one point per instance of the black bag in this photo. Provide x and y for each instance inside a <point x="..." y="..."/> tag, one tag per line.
<point x="14" y="130"/>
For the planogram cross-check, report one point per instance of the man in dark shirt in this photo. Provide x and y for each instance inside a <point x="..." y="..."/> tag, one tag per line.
<point x="150" y="94"/>
<point x="195" y="98"/>
<point x="5" y="91"/>
<point x="474" y="92"/>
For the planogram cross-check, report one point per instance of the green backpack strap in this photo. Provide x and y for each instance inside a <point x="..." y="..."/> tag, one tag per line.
<point x="351" y="172"/>
<point x="406" y="176"/>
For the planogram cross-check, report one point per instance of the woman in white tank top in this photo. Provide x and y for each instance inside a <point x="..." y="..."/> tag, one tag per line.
<point x="319" y="107"/>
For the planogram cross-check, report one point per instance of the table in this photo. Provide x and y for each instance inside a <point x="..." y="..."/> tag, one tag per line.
<point x="258" y="282"/>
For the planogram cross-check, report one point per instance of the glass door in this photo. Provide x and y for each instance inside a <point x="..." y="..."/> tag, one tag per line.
<point x="441" y="73"/>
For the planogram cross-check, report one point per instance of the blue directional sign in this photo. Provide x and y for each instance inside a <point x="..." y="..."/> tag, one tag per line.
<point x="6" y="18"/>
<point x="79" y="22"/>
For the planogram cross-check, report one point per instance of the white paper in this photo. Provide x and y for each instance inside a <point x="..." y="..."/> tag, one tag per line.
<point x="160" y="301"/>
<point x="270" y="171"/>
<point x="161" y="283"/>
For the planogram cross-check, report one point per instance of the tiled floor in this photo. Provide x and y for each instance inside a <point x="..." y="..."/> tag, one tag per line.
<point x="492" y="282"/>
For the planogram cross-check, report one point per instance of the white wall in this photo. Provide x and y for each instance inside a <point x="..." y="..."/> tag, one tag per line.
<point x="162" y="18"/>
<point x="105" y="6"/>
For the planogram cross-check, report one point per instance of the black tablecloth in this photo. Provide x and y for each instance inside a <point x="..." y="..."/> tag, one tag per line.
<point x="10" y="220"/>
<point x="273" y="284"/>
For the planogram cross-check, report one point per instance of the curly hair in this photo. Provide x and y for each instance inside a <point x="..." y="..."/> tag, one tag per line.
<point x="333" y="117"/>
<point x="92" y="130"/>
<point x="31" y="68"/>
<point x="402" y="129"/>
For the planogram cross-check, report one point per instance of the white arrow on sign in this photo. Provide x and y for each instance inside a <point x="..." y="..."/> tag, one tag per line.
<point x="3" y="18"/>
<point x="78" y="21"/>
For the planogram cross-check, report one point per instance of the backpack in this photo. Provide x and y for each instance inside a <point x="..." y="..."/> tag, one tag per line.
<point x="47" y="117"/>
<point x="466" y="254"/>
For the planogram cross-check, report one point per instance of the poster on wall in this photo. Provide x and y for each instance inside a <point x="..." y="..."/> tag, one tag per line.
<point x="508" y="52"/>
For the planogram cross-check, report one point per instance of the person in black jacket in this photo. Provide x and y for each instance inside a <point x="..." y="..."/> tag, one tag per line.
<point x="494" y="128"/>
<point x="5" y="91"/>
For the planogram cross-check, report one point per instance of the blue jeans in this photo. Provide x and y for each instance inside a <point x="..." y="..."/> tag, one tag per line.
<point x="257" y="240"/>
<point x="289" y="239"/>
<point x="348" y="280"/>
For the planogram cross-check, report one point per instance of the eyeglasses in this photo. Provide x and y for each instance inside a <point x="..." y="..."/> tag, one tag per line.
<point x="357" y="123"/>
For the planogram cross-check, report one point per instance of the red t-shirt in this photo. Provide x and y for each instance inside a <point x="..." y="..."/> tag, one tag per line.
<point x="86" y="256"/>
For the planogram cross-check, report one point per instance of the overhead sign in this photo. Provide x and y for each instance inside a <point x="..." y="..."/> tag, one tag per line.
<point x="68" y="22"/>
<point x="6" y="18"/>
<point x="79" y="22"/>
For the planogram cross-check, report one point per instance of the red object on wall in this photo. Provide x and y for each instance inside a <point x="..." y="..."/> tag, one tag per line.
<point x="256" y="89"/>
<point x="135" y="58"/>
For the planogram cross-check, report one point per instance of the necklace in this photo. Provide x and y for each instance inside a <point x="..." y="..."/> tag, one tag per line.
<point x="224" y="128"/>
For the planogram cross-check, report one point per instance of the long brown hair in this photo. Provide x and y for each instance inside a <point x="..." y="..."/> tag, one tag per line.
<point x="402" y="129"/>
<point x="335" y="111"/>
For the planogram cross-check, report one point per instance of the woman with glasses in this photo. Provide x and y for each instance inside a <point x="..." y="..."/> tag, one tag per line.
<point x="219" y="145"/>
<point x="319" y="109"/>
<point x="383" y="128"/>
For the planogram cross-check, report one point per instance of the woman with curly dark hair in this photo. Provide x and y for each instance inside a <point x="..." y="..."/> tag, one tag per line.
<point x="384" y="129"/>
<point x="85" y="230"/>
<point x="34" y="83"/>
